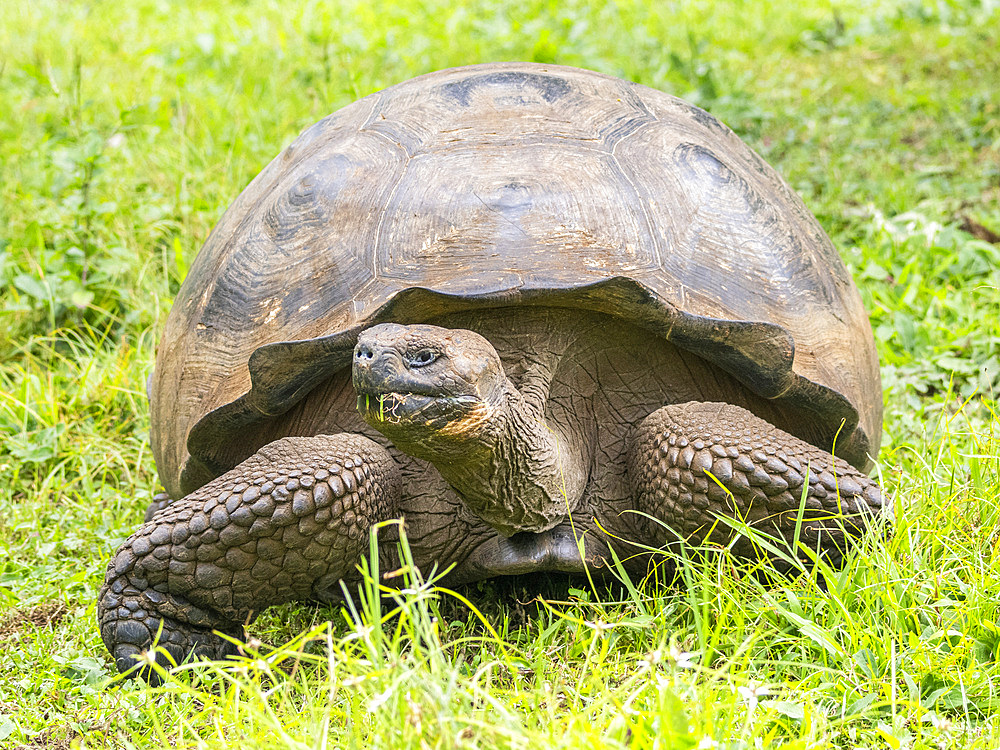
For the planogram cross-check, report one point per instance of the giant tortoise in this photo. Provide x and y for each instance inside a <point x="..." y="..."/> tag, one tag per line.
<point x="539" y="313"/>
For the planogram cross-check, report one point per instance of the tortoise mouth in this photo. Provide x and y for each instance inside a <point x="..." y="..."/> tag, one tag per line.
<point x="387" y="408"/>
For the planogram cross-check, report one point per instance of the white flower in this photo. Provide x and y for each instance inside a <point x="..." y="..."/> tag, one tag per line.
<point x="940" y="723"/>
<point x="378" y="700"/>
<point x="652" y="658"/>
<point x="682" y="659"/>
<point x="751" y="694"/>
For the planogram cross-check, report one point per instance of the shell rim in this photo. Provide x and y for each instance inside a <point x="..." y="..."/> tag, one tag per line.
<point x="759" y="354"/>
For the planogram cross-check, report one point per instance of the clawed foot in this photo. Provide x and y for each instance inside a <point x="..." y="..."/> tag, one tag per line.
<point x="133" y="622"/>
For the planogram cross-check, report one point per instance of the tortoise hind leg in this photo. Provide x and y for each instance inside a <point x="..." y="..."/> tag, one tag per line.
<point x="160" y="501"/>
<point x="679" y="451"/>
<point x="286" y="524"/>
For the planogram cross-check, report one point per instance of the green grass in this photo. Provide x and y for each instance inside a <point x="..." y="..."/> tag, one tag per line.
<point x="126" y="129"/>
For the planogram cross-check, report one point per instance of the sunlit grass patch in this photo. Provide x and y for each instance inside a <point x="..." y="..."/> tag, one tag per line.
<point x="887" y="646"/>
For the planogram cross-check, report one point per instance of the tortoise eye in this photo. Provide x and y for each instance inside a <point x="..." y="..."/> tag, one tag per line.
<point x="423" y="358"/>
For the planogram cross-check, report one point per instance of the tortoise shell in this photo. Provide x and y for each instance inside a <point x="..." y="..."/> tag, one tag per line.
<point x="503" y="185"/>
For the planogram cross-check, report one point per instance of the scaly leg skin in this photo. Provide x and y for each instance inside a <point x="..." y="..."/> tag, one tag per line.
<point x="287" y="523"/>
<point x="761" y="470"/>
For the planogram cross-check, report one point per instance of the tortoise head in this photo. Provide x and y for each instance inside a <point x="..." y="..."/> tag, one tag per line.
<point x="427" y="388"/>
<point x="442" y="395"/>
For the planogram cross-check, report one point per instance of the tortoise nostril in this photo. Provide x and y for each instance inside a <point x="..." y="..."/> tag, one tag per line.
<point x="364" y="352"/>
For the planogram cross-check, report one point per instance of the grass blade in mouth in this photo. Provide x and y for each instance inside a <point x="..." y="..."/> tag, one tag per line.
<point x="394" y="406"/>
<point x="380" y="406"/>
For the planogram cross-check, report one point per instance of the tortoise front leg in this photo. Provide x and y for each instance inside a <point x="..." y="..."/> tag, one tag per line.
<point x="286" y="524"/>
<point x="760" y="471"/>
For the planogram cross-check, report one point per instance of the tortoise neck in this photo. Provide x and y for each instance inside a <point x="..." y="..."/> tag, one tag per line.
<point x="517" y="474"/>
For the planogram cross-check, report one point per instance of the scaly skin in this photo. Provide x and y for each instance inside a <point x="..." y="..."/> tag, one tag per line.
<point x="288" y="523"/>
<point x="761" y="469"/>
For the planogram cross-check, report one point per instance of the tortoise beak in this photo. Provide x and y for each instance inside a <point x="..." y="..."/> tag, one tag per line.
<point x="382" y="382"/>
<point x="375" y="367"/>
<point x="378" y="363"/>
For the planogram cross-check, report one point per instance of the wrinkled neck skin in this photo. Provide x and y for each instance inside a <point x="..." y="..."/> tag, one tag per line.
<point x="510" y="468"/>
